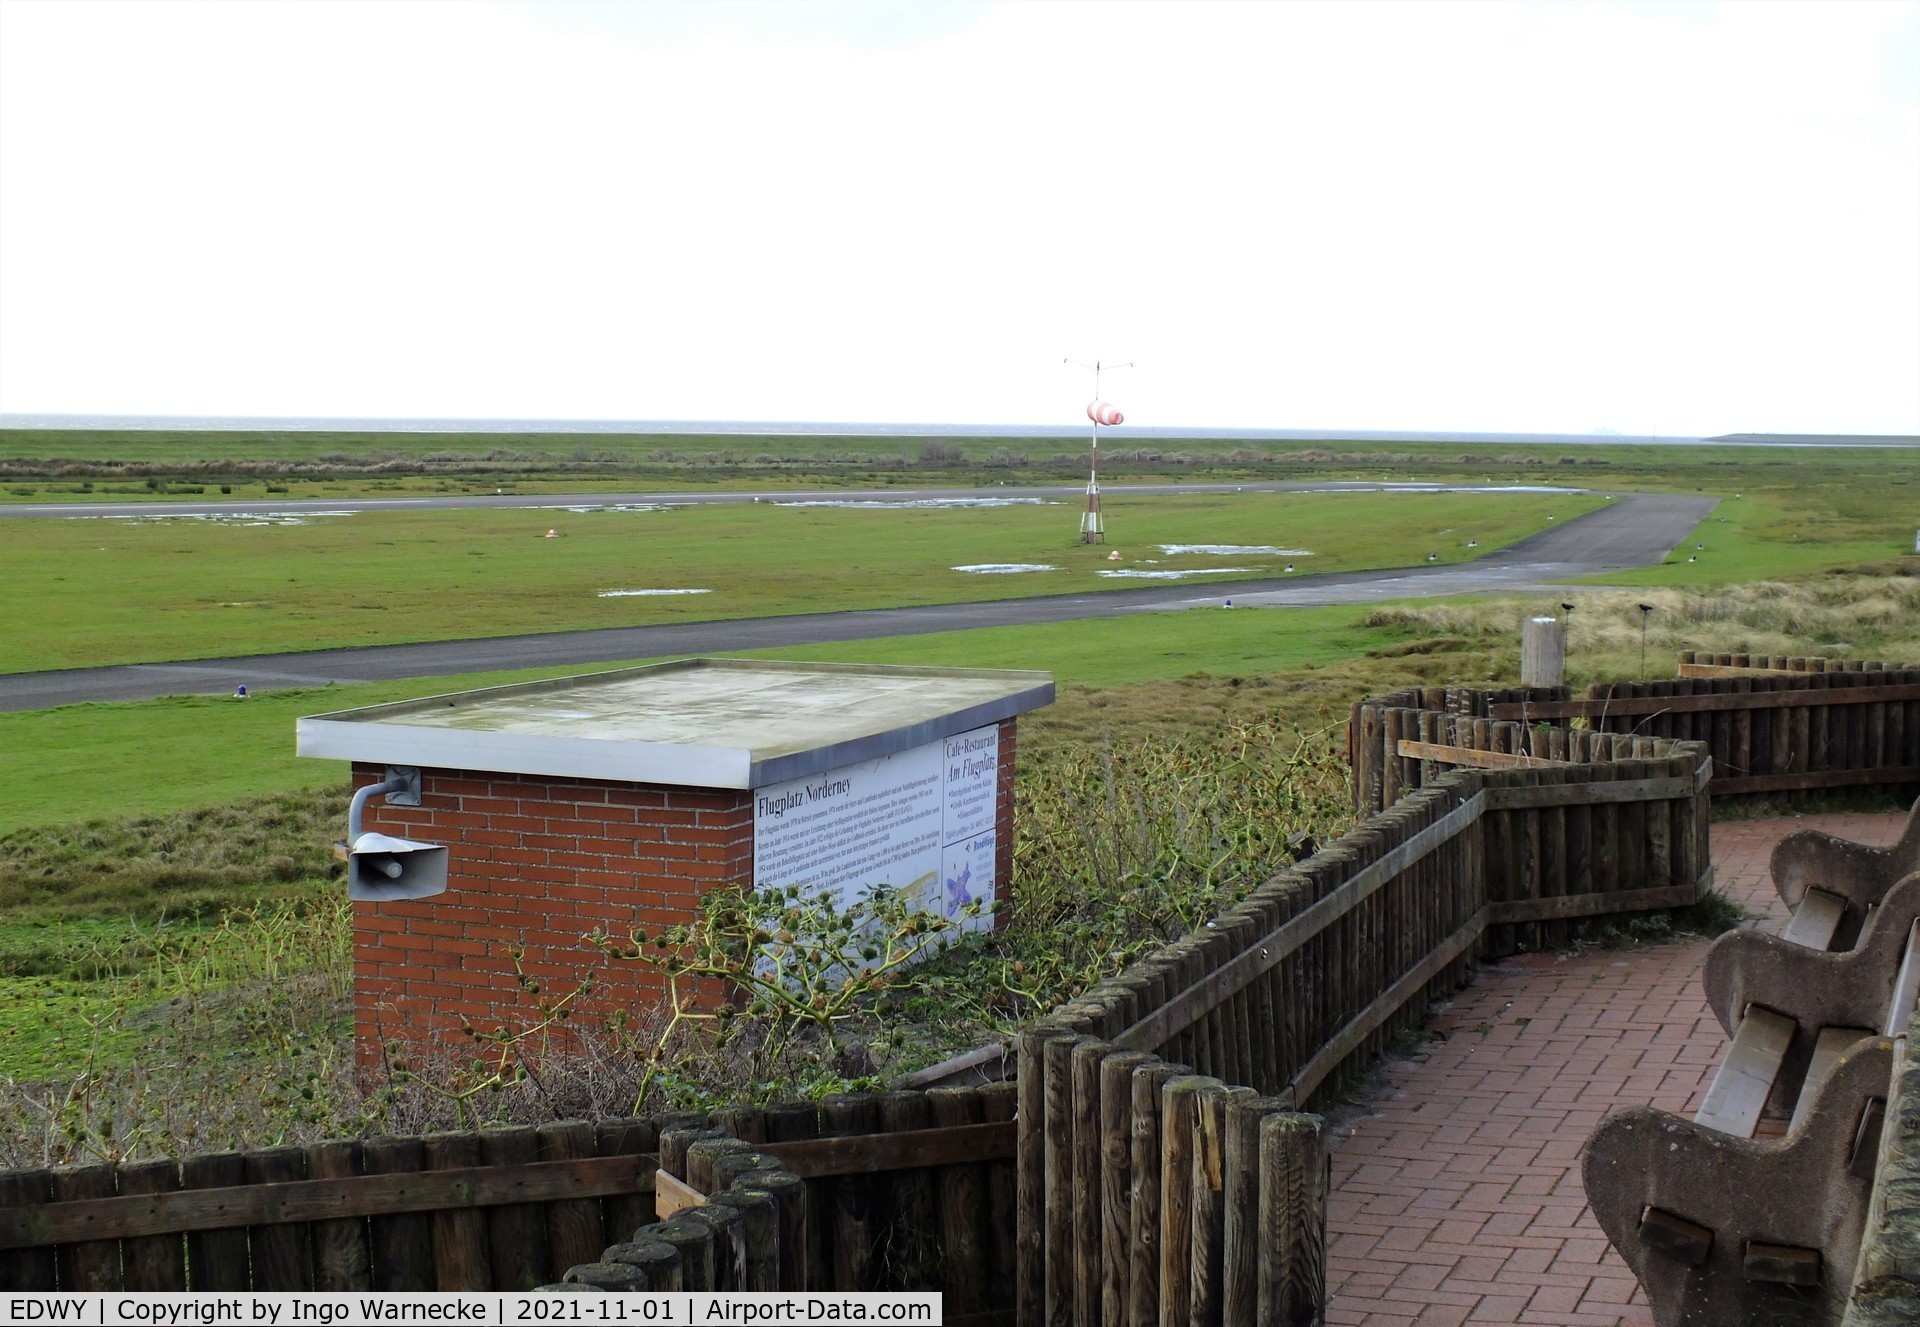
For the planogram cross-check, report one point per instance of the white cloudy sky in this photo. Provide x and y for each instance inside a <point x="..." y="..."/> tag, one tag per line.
<point x="1673" y="217"/>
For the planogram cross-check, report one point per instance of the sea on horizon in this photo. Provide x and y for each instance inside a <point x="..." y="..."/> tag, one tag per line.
<point x="667" y="428"/>
<point x="776" y="428"/>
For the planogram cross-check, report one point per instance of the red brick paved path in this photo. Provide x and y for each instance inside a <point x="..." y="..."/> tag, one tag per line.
<point x="1457" y="1198"/>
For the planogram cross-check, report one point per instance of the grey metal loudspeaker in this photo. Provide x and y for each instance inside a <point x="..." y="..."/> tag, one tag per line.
<point x="383" y="868"/>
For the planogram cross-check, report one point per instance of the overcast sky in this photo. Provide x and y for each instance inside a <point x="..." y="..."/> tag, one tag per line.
<point x="1565" y="216"/>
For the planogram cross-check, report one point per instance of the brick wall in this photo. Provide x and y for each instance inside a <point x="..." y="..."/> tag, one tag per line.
<point x="536" y="863"/>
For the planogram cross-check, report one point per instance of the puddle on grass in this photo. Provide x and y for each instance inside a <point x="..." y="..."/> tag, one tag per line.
<point x="896" y="504"/>
<point x="1005" y="568"/>
<point x="613" y="506"/>
<point x="217" y="517"/>
<point x="1168" y="575"/>
<point x="1419" y="486"/>
<point x="635" y="594"/>
<point x="1236" y="550"/>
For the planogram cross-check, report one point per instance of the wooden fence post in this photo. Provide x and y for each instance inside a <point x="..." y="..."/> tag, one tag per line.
<point x="341" y="1260"/>
<point x="1293" y="1221"/>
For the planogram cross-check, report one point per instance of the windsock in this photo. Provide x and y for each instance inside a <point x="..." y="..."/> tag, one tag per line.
<point x="1102" y="413"/>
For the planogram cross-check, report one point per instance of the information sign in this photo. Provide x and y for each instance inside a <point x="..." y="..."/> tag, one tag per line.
<point x="922" y="821"/>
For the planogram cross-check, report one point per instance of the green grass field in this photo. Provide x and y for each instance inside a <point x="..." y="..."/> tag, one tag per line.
<point x="103" y="591"/>
<point x="157" y="756"/>
<point x="1773" y="535"/>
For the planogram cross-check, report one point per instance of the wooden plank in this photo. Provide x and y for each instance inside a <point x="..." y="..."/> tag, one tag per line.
<point x="459" y="1235"/>
<point x="998" y="1104"/>
<point x="1827" y="1050"/>
<point x="626" y="1213"/>
<point x="1526" y="841"/>
<point x="1799" y="779"/>
<point x="313" y="1200"/>
<point x="341" y="1260"/>
<point x="27" y="1269"/>
<point x="672" y="1195"/>
<point x="909" y="1215"/>
<point x="574" y="1232"/>
<point x="1600" y="792"/>
<point x="402" y="1244"/>
<point x="1906" y="987"/>
<point x="1816" y="919"/>
<point x="280" y="1252"/>
<point x="1181" y="1012"/>
<point x="95" y="1264"/>
<point x="962" y="1194"/>
<point x="1728" y="670"/>
<point x="157" y="1262"/>
<point x="1745" y="1078"/>
<point x="868" y="1154"/>
<point x="789" y="1122"/>
<point x="1638" y="705"/>
<point x="851" y="1208"/>
<point x="1588" y="905"/>
<point x="216" y="1258"/>
<point x="1342" y="1043"/>
<point x="1781" y="1263"/>
<point x="516" y="1232"/>
<point x="1470" y="758"/>
<point x="1675" y="1236"/>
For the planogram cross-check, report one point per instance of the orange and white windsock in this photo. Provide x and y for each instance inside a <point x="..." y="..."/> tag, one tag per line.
<point x="1102" y="413"/>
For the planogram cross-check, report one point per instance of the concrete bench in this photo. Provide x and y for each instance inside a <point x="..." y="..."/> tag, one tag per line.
<point x="1857" y="875"/>
<point x="1791" y="1009"/>
<point x="1745" y="1215"/>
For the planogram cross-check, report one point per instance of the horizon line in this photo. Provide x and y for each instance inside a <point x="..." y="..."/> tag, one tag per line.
<point x="59" y="421"/>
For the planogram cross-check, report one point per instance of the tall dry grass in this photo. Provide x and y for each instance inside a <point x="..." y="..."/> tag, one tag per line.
<point x="1846" y="615"/>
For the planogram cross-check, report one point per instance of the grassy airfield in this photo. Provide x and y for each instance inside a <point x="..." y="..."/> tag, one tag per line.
<point x="133" y="827"/>
<point x="184" y="588"/>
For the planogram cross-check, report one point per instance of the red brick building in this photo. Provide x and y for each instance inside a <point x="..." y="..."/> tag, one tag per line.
<point x="618" y="799"/>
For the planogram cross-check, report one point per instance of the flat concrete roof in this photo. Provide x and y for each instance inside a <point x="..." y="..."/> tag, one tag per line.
<point x="708" y="723"/>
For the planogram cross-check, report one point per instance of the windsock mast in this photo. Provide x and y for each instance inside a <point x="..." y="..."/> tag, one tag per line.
<point x="1092" y="526"/>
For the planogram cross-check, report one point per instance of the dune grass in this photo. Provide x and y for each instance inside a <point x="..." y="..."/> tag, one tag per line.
<point x="1864" y="613"/>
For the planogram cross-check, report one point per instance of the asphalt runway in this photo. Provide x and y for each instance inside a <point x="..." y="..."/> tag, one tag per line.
<point x="1633" y="530"/>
